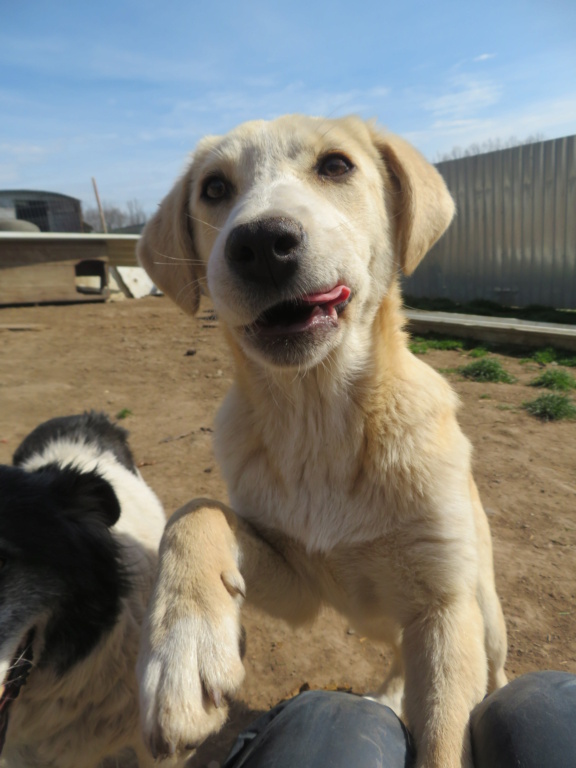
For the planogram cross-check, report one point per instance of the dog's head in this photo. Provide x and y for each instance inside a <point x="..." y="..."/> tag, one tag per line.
<point x="296" y="229"/>
<point x="61" y="575"/>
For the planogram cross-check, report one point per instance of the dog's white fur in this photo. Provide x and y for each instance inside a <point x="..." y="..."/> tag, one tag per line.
<point x="347" y="472"/>
<point x="91" y="712"/>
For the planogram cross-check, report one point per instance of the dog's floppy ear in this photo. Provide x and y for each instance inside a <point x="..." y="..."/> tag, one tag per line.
<point x="422" y="205"/>
<point x="166" y="248"/>
<point x="85" y="496"/>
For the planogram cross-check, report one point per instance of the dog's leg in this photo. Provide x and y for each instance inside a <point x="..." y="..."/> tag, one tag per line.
<point x="446" y="677"/>
<point x="190" y="652"/>
<point x="494" y="626"/>
<point x="494" y="635"/>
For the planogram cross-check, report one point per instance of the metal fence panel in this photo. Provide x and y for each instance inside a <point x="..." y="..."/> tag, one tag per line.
<point x="513" y="240"/>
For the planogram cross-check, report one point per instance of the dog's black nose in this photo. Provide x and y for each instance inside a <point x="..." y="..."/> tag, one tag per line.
<point x="266" y="251"/>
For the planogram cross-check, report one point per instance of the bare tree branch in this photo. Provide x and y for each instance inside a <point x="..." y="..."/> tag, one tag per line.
<point x="490" y="145"/>
<point x="116" y="217"/>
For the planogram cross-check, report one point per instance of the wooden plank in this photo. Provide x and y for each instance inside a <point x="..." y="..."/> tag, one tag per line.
<point x="20" y="253"/>
<point x="46" y="282"/>
<point x="120" y="249"/>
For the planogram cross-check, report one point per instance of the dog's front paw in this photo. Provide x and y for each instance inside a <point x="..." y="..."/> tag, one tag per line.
<point x="184" y="682"/>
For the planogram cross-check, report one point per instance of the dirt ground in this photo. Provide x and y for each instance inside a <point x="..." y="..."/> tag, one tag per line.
<point x="170" y="372"/>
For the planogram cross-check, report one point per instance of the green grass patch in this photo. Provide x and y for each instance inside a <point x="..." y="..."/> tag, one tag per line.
<point x="124" y="413"/>
<point x="555" y="378"/>
<point x="542" y="358"/>
<point x="551" y="407"/>
<point x="478" y="352"/>
<point x="545" y="356"/>
<point x="551" y="355"/>
<point x="486" y="369"/>
<point x="419" y="345"/>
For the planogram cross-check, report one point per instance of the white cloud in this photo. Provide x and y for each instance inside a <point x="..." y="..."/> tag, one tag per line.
<point x="217" y="111"/>
<point x="553" y="118"/>
<point x="484" y="57"/>
<point x="466" y="97"/>
<point x="167" y="142"/>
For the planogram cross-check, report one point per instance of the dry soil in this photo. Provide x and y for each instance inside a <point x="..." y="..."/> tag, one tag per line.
<point x="166" y="374"/>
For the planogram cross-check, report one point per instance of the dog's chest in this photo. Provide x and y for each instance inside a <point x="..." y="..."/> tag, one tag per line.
<point x="303" y="471"/>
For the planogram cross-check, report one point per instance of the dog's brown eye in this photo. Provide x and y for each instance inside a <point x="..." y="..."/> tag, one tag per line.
<point x="215" y="188"/>
<point x="334" y="166"/>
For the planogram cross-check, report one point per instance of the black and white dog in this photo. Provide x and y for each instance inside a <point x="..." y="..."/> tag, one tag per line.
<point x="79" y="536"/>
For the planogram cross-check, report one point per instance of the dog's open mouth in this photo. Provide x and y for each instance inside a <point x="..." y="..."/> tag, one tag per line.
<point x="310" y="312"/>
<point x="13" y="682"/>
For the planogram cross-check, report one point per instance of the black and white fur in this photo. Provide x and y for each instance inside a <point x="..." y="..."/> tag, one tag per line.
<point x="79" y="535"/>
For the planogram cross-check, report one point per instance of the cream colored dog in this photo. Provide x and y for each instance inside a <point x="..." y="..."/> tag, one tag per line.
<point x="347" y="472"/>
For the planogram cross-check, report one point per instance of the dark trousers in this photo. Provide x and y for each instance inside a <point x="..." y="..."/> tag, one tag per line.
<point x="531" y="722"/>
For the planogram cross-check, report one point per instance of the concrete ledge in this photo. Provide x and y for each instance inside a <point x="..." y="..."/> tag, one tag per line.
<point x="120" y="249"/>
<point x="496" y="330"/>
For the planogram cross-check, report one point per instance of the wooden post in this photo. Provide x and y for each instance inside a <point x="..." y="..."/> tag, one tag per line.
<point x="102" y="219"/>
<point x="111" y="270"/>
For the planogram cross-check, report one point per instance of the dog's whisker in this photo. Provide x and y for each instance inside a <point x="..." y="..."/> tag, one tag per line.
<point x="175" y="260"/>
<point x="172" y="258"/>
<point x="19" y="660"/>
<point x="202" y="221"/>
<point x="18" y="665"/>
<point x="176" y="263"/>
<point x="187" y="288"/>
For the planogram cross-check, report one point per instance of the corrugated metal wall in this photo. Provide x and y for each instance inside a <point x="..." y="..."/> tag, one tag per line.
<point x="514" y="236"/>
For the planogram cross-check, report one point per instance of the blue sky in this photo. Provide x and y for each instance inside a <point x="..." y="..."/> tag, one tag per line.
<point x="122" y="90"/>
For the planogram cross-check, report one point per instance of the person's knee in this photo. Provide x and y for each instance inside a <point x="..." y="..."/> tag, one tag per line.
<point x="326" y="728"/>
<point x="529" y="722"/>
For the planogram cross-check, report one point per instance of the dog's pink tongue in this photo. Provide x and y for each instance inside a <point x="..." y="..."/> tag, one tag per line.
<point x="337" y="295"/>
<point x="326" y="302"/>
